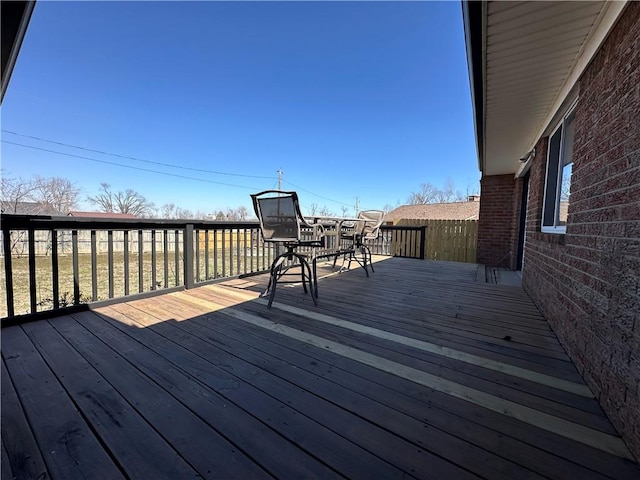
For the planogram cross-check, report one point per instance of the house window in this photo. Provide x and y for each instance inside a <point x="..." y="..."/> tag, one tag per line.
<point x="558" y="182"/>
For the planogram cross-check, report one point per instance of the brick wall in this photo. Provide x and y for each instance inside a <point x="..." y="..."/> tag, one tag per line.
<point x="498" y="220"/>
<point x="586" y="282"/>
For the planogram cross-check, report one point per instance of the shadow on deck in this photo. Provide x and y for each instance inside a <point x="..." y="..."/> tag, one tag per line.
<point x="416" y="372"/>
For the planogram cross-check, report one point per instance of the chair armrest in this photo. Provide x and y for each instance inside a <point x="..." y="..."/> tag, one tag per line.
<point x="318" y="229"/>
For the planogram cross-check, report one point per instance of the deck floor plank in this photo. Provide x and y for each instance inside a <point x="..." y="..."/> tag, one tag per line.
<point x="129" y="438"/>
<point x="25" y="459"/>
<point x="209" y="382"/>
<point x="394" y="319"/>
<point x="6" y="472"/>
<point x="420" y="409"/>
<point x="279" y="457"/>
<point x="547" y="399"/>
<point x="398" y="310"/>
<point x="179" y="428"/>
<point x="355" y="426"/>
<point x="601" y="463"/>
<point x="346" y="457"/>
<point x="67" y="443"/>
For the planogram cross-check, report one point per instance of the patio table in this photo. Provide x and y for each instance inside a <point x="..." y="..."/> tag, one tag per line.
<point x="335" y="228"/>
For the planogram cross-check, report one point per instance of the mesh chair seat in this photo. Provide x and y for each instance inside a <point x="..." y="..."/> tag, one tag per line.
<point x="281" y="222"/>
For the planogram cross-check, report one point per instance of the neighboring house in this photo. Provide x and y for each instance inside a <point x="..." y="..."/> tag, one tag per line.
<point x="27" y="208"/>
<point x="556" y="98"/>
<point x="110" y="215"/>
<point x="436" y="211"/>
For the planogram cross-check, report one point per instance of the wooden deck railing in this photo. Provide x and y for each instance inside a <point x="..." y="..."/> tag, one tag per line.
<point x="58" y="264"/>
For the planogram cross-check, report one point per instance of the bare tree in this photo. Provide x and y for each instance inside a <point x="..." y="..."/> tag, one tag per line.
<point x="35" y="197"/>
<point x="57" y="193"/>
<point x="168" y="210"/>
<point x="128" y="201"/>
<point x="387" y="208"/>
<point x="313" y="209"/>
<point x="38" y="195"/>
<point x="325" y="212"/>
<point x="428" y="193"/>
<point x="104" y="199"/>
<point x="14" y="191"/>
<point x="184" y="214"/>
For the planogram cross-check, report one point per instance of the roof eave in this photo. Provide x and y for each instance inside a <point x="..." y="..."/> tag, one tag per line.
<point x="15" y="20"/>
<point x="473" y="14"/>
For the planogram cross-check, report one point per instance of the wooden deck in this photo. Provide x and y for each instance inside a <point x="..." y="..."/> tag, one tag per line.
<point x="415" y="372"/>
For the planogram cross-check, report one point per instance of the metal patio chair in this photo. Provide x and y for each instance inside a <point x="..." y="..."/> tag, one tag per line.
<point x="365" y="231"/>
<point x="281" y="222"/>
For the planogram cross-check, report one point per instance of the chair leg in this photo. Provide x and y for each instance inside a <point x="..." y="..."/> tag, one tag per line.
<point x="276" y="268"/>
<point x="368" y="252"/>
<point x="314" y="276"/>
<point x="363" y="264"/>
<point x="309" y="275"/>
<point x="313" y="281"/>
<point x="303" y="262"/>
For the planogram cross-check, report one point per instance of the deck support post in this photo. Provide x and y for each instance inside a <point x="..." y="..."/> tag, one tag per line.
<point x="189" y="281"/>
<point x="423" y="241"/>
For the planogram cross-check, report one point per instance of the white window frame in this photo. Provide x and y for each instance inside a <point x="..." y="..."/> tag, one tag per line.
<point x="554" y="196"/>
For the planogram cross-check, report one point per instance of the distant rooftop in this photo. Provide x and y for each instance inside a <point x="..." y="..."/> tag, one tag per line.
<point x="101" y="215"/>
<point x="28" y="208"/>
<point x="436" y="211"/>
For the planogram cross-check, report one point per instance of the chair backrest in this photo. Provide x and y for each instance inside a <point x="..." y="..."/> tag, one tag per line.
<point x="369" y="223"/>
<point x="279" y="215"/>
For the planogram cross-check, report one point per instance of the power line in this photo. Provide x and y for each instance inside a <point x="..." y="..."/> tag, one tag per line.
<point x="134" y="158"/>
<point x="319" y="196"/>
<point x="132" y="167"/>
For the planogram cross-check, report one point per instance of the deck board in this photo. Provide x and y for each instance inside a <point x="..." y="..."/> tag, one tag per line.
<point x="209" y="382"/>
<point x="25" y="460"/>
<point x="67" y="444"/>
<point x="476" y="377"/>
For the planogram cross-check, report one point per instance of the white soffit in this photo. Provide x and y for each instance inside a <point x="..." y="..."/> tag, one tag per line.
<point x="534" y="53"/>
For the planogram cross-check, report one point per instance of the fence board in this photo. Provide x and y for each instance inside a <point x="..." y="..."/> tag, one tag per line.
<point x="453" y="240"/>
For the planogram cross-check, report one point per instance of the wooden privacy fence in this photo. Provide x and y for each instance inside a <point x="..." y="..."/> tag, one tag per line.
<point x="453" y="240"/>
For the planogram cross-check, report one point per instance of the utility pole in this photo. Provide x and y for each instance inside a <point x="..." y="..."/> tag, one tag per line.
<point x="279" y="179"/>
<point x="357" y="205"/>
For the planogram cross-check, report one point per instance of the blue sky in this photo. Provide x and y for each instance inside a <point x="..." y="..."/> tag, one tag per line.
<point x="349" y="99"/>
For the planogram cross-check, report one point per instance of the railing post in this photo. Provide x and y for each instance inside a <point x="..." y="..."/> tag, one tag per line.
<point x="423" y="241"/>
<point x="189" y="281"/>
<point x="32" y="271"/>
<point x="55" y="272"/>
<point x="8" y="273"/>
<point x="76" y="267"/>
